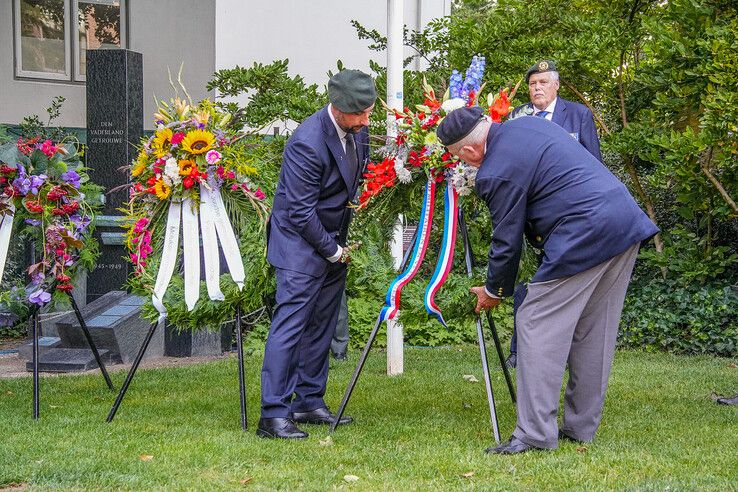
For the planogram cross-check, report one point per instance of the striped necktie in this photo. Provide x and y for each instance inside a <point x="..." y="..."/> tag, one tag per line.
<point x="542" y="114"/>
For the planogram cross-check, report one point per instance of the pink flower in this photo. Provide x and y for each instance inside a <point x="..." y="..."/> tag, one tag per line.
<point x="48" y="148"/>
<point x="213" y="157"/>
<point x="259" y="194"/>
<point x="177" y="138"/>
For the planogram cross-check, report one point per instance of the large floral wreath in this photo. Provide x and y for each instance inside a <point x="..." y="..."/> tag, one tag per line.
<point x="414" y="156"/>
<point x="46" y="195"/>
<point x="192" y="169"/>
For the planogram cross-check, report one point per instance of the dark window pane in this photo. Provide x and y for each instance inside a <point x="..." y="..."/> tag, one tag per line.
<point x="42" y="36"/>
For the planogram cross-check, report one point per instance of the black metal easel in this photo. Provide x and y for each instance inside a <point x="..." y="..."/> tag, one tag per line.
<point x="90" y="342"/>
<point x="480" y="336"/>
<point x="142" y="351"/>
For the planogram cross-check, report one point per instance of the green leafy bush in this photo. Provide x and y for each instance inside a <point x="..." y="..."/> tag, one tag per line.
<point x="687" y="319"/>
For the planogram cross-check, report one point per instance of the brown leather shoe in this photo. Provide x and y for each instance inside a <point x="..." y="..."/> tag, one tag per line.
<point x="322" y="416"/>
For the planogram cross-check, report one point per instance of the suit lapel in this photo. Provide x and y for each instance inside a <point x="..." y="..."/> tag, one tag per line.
<point x="559" y="112"/>
<point x="334" y="145"/>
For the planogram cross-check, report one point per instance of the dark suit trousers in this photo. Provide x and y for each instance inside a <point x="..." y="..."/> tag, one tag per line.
<point x="296" y="352"/>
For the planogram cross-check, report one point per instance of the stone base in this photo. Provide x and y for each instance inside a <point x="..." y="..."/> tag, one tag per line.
<point x="45" y="344"/>
<point x="68" y="360"/>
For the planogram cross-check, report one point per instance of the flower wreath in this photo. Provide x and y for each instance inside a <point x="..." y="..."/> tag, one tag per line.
<point x="416" y="152"/>
<point x="191" y="171"/>
<point x="46" y="194"/>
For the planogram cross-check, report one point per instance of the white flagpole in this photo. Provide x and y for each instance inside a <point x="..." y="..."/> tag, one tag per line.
<point x="395" y="48"/>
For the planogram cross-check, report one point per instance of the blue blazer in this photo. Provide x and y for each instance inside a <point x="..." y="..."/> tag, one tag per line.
<point x="310" y="217"/>
<point x="577" y="120"/>
<point x="538" y="182"/>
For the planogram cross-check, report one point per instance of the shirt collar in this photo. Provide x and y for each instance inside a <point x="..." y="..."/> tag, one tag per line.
<point x="339" y="130"/>
<point x="550" y="108"/>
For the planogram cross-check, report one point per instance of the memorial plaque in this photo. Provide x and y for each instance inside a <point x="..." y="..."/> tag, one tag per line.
<point x="114" y="128"/>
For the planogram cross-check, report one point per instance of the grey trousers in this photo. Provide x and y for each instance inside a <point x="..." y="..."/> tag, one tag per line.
<point x="573" y="319"/>
<point x="339" y="344"/>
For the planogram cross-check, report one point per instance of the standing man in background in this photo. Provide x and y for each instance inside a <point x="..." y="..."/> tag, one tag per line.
<point x="543" y="89"/>
<point x="308" y="227"/>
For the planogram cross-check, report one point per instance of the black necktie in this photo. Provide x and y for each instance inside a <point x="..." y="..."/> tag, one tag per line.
<point x="351" y="158"/>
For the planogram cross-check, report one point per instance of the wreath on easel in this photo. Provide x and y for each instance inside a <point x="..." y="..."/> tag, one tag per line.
<point x="46" y="196"/>
<point x="193" y="178"/>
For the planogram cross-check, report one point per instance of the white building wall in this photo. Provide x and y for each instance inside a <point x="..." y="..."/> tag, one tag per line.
<point x="312" y="34"/>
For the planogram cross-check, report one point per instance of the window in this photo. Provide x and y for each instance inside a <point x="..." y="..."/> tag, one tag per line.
<point x="52" y="36"/>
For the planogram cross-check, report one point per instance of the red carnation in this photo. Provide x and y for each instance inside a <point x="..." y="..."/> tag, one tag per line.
<point x="188" y="183"/>
<point x="177" y="138"/>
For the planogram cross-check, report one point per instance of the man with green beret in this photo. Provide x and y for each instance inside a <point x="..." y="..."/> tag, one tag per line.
<point x="322" y="166"/>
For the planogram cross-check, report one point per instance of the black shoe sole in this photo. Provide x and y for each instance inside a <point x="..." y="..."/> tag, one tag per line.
<point x="268" y="435"/>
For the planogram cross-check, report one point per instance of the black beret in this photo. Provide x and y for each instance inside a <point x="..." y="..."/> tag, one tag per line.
<point x="458" y="124"/>
<point x="540" y="67"/>
<point x="351" y="91"/>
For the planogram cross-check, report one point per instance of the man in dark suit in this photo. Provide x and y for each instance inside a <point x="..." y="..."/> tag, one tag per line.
<point x="538" y="181"/>
<point x="321" y="171"/>
<point x="543" y="88"/>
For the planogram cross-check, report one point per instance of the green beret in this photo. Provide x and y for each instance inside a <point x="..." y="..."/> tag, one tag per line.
<point x="540" y="67"/>
<point x="351" y="91"/>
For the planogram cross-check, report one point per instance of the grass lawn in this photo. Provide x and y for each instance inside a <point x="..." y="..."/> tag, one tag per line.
<point x="178" y="429"/>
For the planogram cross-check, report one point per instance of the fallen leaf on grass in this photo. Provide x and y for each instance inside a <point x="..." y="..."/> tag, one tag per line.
<point x="53" y="406"/>
<point x="328" y="441"/>
<point x="465" y="405"/>
<point x="350" y="478"/>
<point x="733" y="365"/>
<point x="14" y="486"/>
<point x="468" y="474"/>
<point x="470" y="378"/>
<point x="246" y="480"/>
<point x="9" y="393"/>
<point x="146" y="457"/>
<point x="582" y="449"/>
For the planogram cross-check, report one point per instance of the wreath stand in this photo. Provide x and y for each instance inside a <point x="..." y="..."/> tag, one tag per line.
<point x="142" y="351"/>
<point x="480" y="337"/>
<point x="90" y="342"/>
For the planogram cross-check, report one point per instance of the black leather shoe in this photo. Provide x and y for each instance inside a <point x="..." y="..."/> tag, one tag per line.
<point x="512" y="360"/>
<point x="513" y="446"/>
<point x="279" y="428"/>
<point x="567" y="437"/>
<point x="340" y="356"/>
<point x="319" y="416"/>
<point x="732" y="400"/>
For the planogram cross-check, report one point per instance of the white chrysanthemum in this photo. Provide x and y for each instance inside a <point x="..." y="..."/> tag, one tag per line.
<point x="403" y="174"/>
<point x="171" y="171"/>
<point x="452" y="104"/>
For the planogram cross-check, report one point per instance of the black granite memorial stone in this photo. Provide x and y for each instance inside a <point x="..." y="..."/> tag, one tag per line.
<point x="114" y="128"/>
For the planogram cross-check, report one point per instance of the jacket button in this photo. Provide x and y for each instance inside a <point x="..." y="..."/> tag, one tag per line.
<point x="538" y="238"/>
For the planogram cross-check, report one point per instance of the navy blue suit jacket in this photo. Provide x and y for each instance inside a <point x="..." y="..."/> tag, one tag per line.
<point x="310" y="217"/>
<point x="577" y="120"/>
<point x="539" y="182"/>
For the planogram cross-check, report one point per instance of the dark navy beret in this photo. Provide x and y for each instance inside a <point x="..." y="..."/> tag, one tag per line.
<point x="351" y="91"/>
<point x="458" y="124"/>
<point x="540" y="67"/>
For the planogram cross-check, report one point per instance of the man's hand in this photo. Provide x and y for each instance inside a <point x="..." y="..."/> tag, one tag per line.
<point x="346" y="256"/>
<point x="484" y="302"/>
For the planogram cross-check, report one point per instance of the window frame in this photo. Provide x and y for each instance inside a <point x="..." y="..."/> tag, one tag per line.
<point x="71" y="73"/>
<point x="18" y="49"/>
<point x="78" y="76"/>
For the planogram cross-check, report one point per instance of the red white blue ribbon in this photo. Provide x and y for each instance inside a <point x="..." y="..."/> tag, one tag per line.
<point x="446" y="257"/>
<point x="392" y="301"/>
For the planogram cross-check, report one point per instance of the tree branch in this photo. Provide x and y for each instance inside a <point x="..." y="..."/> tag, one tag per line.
<point x="705" y="166"/>
<point x="596" y="115"/>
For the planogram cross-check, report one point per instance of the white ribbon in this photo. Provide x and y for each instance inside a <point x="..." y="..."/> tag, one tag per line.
<point x="168" y="258"/>
<point x="227" y="238"/>
<point x="191" y="255"/>
<point x="6" y="227"/>
<point x="210" y="246"/>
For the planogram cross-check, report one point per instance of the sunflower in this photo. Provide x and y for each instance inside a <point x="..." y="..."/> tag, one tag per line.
<point x="198" y="141"/>
<point x="140" y="165"/>
<point x="162" y="190"/>
<point x="161" y="138"/>
<point x="186" y="166"/>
